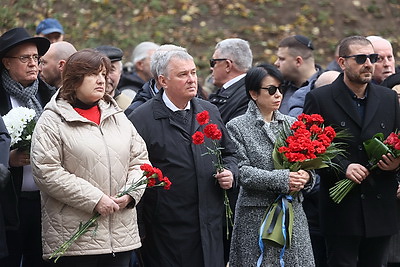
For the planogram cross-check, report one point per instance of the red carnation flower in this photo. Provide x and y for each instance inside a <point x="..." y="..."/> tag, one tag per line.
<point x="203" y="117"/>
<point x="198" y="138"/>
<point x="212" y="131"/>
<point x="167" y="182"/>
<point x="151" y="182"/>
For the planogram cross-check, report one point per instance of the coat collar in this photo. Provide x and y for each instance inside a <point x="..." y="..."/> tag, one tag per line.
<point x="343" y="99"/>
<point x="62" y="107"/>
<point x="161" y="111"/>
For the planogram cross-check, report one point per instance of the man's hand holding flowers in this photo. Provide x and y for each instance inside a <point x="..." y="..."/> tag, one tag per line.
<point x="225" y="179"/>
<point x="356" y="172"/>
<point x="19" y="158"/>
<point x="297" y="180"/>
<point x="388" y="162"/>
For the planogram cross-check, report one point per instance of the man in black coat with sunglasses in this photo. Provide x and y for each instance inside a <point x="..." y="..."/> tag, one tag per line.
<point x="231" y="60"/>
<point x="358" y="229"/>
<point x="229" y="64"/>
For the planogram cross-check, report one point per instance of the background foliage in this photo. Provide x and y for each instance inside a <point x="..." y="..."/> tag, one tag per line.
<point x="199" y="24"/>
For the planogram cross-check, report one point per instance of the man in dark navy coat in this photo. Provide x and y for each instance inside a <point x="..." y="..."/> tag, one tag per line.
<point x="358" y="229"/>
<point x="184" y="224"/>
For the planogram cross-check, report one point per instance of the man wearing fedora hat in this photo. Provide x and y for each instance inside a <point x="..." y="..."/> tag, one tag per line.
<point x="20" y="86"/>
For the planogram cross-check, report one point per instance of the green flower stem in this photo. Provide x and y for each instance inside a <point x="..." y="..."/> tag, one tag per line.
<point x="340" y="190"/>
<point x="83" y="228"/>
<point x="228" y="213"/>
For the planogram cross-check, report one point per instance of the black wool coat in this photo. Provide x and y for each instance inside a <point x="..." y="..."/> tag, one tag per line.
<point x="231" y="101"/>
<point x="369" y="209"/>
<point x="184" y="224"/>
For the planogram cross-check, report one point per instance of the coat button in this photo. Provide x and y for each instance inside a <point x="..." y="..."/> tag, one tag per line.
<point x="383" y="125"/>
<point x="378" y="196"/>
<point x="360" y="147"/>
<point x="362" y="196"/>
<point x="343" y="123"/>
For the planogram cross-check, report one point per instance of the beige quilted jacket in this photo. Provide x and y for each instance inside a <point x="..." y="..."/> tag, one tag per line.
<point x="75" y="162"/>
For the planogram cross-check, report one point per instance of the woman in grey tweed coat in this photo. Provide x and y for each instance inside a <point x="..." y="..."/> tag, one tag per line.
<point x="254" y="134"/>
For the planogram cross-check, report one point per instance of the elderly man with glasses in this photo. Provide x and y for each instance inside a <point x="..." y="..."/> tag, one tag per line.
<point x="357" y="230"/>
<point x="20" y="86"/>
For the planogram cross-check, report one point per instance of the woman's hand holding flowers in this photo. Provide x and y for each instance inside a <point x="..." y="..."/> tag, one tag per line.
<point x="225" y="179"/>
<point x="123" y="201"/>
<point x="388" y="162"/>
<point x="297" y="180"/>
<point x="106" y="206"/>
<point x="356" y="172"/>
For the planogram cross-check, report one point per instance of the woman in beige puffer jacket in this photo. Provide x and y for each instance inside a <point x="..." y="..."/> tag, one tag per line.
<point x="79" y="165"/>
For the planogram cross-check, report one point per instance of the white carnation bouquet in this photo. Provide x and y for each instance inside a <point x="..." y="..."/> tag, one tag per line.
<point x="20" y="123"/>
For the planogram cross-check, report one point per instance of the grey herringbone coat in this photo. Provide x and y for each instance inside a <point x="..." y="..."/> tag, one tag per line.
<point x="260" y="184"/>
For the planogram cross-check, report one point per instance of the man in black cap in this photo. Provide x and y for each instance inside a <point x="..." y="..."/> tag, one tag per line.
<point x="115" y="55"/>
<point x="297" y="65"/>
<point x="20" y="86"/>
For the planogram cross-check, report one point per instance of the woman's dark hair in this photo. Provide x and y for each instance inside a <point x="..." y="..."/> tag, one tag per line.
<point x="256" y="74"/>
<point x="80" y="64"/>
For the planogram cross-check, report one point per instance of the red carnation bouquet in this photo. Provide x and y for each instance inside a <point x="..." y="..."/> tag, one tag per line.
<point x="212" y="132"/>
<point x="307" y="145"/>
<point x="151" y="176"/>
<point x="375" y="148"/>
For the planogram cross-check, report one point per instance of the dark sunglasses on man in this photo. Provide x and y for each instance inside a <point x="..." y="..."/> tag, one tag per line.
<point x="272" y="89"/>
<point x="213" y="61"/>
<point x="361" y="58"/>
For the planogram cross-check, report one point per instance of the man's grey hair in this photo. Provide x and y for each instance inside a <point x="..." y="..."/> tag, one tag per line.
<point x="237" y="50"/>
<point x="162" y="50"/>
<point x="141" y="51"/>
<point x="164" y="60"/>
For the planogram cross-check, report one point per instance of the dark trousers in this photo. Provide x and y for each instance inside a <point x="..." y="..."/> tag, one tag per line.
<point x="319" y="250"/>
<point x="25" y="244"/>
<point x="120" y="259"/>
<point x="356" y="251"/>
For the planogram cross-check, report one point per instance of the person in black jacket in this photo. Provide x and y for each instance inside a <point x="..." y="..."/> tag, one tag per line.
<point x="358" y="229"/>
<point x="5" y="141"/>
<point x="20" y="86"/>
<point x="183" y="225"/>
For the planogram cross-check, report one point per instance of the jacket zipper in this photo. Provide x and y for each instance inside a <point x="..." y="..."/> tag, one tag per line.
<point x="110" y="189"/>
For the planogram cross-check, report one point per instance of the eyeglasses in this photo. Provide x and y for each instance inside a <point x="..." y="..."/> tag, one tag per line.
<point x="26" y="58"/>
<point x="213" y="61"/>
<point x="272" y="89"/>
<point x="361" y="58"/>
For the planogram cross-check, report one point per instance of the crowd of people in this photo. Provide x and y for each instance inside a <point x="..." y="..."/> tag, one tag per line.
<point x="98" y="121"/>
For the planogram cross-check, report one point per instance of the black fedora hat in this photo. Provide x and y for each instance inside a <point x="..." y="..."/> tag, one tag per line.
<point x="17" y="36"/>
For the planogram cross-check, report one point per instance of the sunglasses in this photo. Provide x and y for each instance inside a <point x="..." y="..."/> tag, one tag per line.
<point x="272" y="89"/>
<point x="361" y="58"/>
<point x="213" y="61"/>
